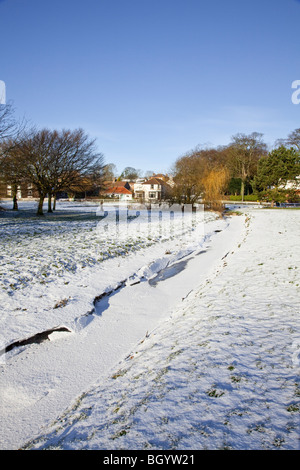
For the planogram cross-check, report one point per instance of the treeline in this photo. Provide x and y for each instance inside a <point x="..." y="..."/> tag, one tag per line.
<point x="243" y="166"/>
<point x="54" y="161"/>
<point x="49" y="160"/>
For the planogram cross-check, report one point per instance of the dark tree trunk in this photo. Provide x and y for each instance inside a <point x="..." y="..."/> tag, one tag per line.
<point x="40" y="206"/>
<point x="15" y="206"/>
<point x="15" y="200"/>
<point x="49" y="202"/>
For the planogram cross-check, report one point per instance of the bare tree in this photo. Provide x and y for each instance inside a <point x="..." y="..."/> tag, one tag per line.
<point x="187" y="174"/>
<point x="10" y="130"/>
<point x="200" y="174"/>
<point x="11" y="169"/>
<point x="57" y="160"/>
<point x="110" y="172"/>
<point x="9" y="126"/>
<point x="244" y="153"/>
<point x="292" y="140"/>
<point x="75" y="162"/>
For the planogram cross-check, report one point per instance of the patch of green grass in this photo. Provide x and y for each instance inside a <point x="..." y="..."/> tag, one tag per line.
<point x="214" y="393"/>
<point x="293" y="408"/>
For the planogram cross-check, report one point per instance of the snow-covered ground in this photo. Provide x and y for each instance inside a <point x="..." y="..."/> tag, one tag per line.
<point x="52" y="268"/>
<point x="198" y="348"/>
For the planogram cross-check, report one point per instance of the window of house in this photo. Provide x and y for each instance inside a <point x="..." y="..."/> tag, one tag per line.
<point x="152" y="195"/>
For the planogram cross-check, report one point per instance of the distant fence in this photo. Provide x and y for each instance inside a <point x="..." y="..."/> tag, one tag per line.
<point x="288" y="204"/>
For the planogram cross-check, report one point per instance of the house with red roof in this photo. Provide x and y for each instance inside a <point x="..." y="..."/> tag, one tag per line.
<point x="118" y="190"/>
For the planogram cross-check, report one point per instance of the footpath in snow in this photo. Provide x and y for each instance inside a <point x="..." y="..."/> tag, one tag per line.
<point x="203" y="355"/>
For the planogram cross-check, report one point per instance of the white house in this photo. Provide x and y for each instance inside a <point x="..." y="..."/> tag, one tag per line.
<point x="152" y="190"/>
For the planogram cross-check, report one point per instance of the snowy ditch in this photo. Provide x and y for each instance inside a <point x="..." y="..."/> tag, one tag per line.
<point x="86" y="321"/>
<point x="44" y="255"/>
<point x="158" y="271"/>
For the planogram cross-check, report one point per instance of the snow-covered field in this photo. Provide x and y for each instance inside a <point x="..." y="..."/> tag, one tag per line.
<point x="197" y="348"/>
<point x="69" y="258"/>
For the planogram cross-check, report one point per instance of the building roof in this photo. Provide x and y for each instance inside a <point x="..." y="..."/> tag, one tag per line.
<point x="117" y="190"/>
<point x="154" y="181"/>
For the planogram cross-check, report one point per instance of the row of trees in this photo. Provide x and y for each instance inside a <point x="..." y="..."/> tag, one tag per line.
<point x="244" y="163"/>
<point x="49" y="160"/>
<point x="63" y="160"/>
<point x="129" y="173"/>
<point x="243" y="166"/>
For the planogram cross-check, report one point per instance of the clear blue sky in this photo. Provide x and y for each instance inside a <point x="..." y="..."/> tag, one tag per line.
<point x="152" y="79"/>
